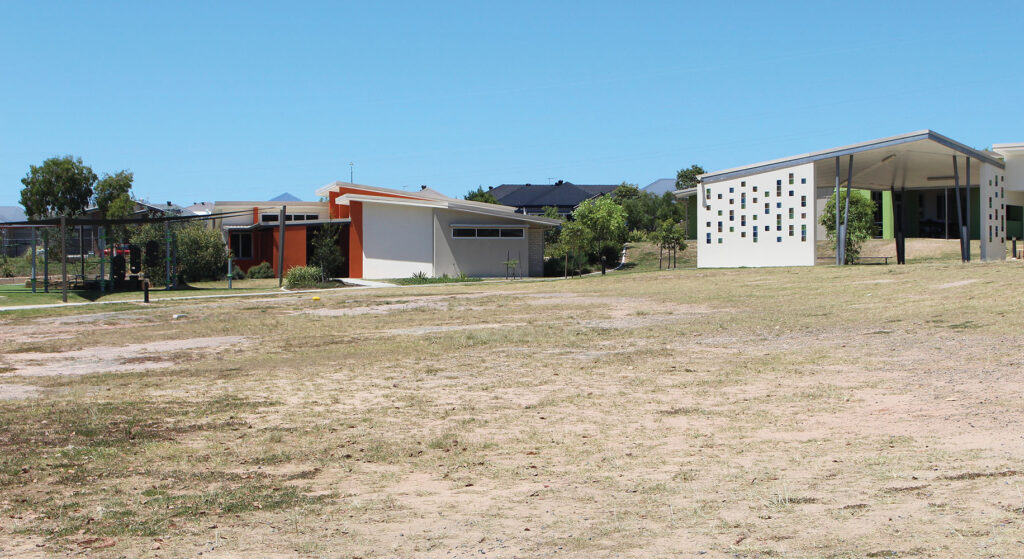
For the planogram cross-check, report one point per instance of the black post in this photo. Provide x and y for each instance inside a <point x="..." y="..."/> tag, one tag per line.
<point x="967" y="190"/>
<point x="959" y="210"/>
<point x="280" y="247"/>
<point x="81" y="250"/>
<point x="145" y="290"/>
<point x="64" y="257"/>
<point x="33" y="259"/>
<point x="46" y="260"/>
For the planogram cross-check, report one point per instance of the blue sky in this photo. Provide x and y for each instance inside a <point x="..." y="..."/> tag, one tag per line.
<point x="243" y="101"/>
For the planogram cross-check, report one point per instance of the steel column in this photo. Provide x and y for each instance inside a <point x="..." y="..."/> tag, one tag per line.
<point x="839" y="255"/>
<point x="967" y="190"/>
<point x="280" y="246"/>
<point x="33" y="259"/>
<point x="64" y="258"/>
<point x="846" y="211"/>
<point x="959" y="209"/>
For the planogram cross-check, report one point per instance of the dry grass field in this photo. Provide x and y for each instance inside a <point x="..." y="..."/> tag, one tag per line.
<point x="866" y="411"/>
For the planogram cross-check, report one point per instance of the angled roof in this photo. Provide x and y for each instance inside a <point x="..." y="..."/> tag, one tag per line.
<point x="285" y="197"/>
<point x="896" y="142"/>
<point x="11" y="214"/>
<point x="660" y="186"/>
<point x="560" y="194"/>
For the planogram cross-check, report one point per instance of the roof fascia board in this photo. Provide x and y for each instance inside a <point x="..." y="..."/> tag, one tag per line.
<point x="507" y="215"/>
<point x="848" y="150"/>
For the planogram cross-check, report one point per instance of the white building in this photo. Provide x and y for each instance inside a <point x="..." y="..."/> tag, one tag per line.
<point x="766" y="214"/>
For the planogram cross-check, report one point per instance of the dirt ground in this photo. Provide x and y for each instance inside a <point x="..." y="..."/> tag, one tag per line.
<point x="865" y="411"/>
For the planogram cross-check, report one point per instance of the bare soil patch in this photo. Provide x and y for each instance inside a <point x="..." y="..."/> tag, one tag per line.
<point x="132" y="357"/>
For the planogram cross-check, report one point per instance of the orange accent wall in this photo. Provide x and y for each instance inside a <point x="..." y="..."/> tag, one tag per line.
<point x="355" y="240"/>
<point x="255" y="215"/>
<point x="340" y="212"/>
<point x="294" y="248"/>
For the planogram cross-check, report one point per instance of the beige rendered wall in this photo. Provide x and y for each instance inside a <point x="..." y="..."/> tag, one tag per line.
<point x="476" y="257"/>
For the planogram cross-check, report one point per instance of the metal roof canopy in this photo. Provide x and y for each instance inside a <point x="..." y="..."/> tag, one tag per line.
<point x="918" y="160"/>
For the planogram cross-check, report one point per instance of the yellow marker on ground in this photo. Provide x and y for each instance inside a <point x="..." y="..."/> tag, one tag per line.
<point x="316" y="298"/>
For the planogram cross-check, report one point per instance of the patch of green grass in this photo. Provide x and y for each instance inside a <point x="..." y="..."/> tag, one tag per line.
<point x="425" y="280"/>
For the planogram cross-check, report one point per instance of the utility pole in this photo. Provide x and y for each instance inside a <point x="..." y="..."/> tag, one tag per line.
<point x="351" y="170"/>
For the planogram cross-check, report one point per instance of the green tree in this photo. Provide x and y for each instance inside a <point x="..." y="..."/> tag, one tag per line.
<point x="625" y="191"/>
<point x="202" y="254"/>
<point x="670" y="237"/>
<point x="573" y="239"/>
<point x="114" y="200"/>
<point x="326" y="254"/>
<point x="60" y="186"/>
<point x="551" y="234"/>
<point x="861" y="225"/>
<point x="606" y="222"/>
<point x="481" y="195"/>
<point x="687" y="178"/>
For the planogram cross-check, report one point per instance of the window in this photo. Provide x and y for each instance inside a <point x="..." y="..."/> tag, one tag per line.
<point x="778" y="204"/>
<point x="755" y="188"/>
<point x="719" y="195"/>
<point x="732" y="215"/>
<point x="512" y="233"/>
<point x="803" y="181"/>
<point x="803" y="233"/>
<point x="743" y="221"/>
<point x="709" y="238"/>
<point x="767" y="208"/>
<point x="791" y="192"/>
<point x="297" y="217"/>
<point x="778" y="239"/>
<point x="743" y="201"/>
<point x="731" y="190"/>
<point x="268" y="218"/>
<point x="791" y="230"/>
<point x="709" y="225"/>
<point x="241" y="244"/>
<point x="719" y="226"/>
<point x="791" y="213"/>
<point x="462" y="233"/>
<point x="791" y="180"/>
<point x="803" y="201"/>
<point x="743" y="183"/>
<point x="487" y="233"/>
<point x="732" y="229"/>
<point x="312" y="217"/>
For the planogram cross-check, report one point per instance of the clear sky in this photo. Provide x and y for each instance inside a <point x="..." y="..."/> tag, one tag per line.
<point x="213" y="101"/>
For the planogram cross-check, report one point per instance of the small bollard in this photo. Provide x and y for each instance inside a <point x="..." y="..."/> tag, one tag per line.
<point x="145" y="291"/>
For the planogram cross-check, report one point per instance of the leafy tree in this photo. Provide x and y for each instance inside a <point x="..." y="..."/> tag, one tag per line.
<point x="551" y="234"/>
<point x="60" y="186"/>
<point x="625" y="191"/>
<point x="112" y="188"/>
<point x="574" y="238"/>
<point x="605" y="220"/>
<point x="114" y="201"/>
<point x="861" y="226"/>
<point x="202" y="254"/>
<point x="647" y="211"/>
<point x="687" y="178"/>
<point x="326" y="255"/>
<point x="671" y="237"/>
<point x="481" y="195"/>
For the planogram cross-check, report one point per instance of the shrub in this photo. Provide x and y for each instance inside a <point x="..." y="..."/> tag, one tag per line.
<point x="862" y="222"/>
<point x="326" y="253"/>
<point x="638" y="236"/>
<point x="202" y="254"/>
<point x="6" y="270"/>
<point x="263" y="270"/>
<point x="238" y="273"/>
<point x="302" y="277"/>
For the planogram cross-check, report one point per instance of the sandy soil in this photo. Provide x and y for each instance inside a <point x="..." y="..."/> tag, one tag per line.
<point x="724" y="413"/>
<point x="131" y="357"/>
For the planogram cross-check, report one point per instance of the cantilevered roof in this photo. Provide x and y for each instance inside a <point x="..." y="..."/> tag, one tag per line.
<point x="918" y="159"/>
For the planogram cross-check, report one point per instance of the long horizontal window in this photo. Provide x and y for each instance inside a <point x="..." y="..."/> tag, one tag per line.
<point x="486" y="233"/>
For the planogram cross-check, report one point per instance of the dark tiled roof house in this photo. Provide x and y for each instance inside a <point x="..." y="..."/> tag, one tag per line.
<point x="532" y="198"/>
